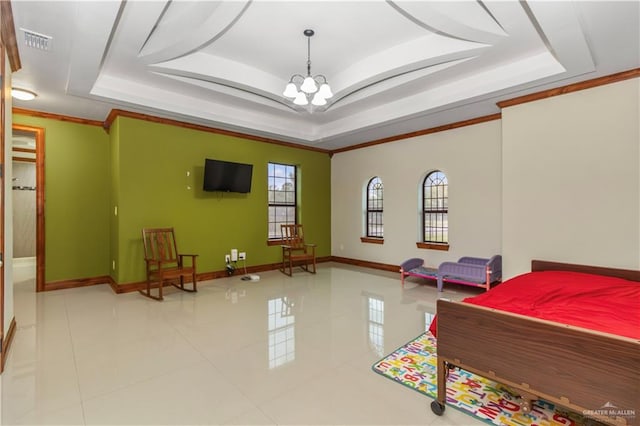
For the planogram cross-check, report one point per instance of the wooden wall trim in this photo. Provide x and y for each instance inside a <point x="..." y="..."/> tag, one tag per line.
<point x="205" y="276"/>
<point x="126" y="288"/>
<point x="6" y="343"/>
<point x="588" y="84"/>
<point x="537" y="265"/>
<point x="135" y="286"/>
<point x="8" y="34"/>
<point x="58" y="117"/>
<point x="366" y="264"/>
<point x="115" y="113"/>
<point x="437" y="129"/>
<point x="78" y="282"/>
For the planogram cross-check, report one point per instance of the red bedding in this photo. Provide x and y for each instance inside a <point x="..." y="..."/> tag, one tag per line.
<point x="607" y="304"/>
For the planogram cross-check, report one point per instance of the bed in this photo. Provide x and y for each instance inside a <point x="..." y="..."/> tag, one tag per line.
<point x="577" y="363"/>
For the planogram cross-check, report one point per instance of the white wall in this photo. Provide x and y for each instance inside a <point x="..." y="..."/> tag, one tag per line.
<point x="471" y="159"/>
<point x="571" y="182"/>
<point x="555" y="179"/>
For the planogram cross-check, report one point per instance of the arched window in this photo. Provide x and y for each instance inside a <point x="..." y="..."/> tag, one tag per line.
<point x="374" y="208"/>
<point x="435" y="206"/>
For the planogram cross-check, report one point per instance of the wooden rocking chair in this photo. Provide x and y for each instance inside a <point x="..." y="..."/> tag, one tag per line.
<point x="295" y="250"/>
<point x="164" y="264"/>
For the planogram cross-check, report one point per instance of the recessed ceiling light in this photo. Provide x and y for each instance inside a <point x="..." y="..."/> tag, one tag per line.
<point x="22" y="94"/>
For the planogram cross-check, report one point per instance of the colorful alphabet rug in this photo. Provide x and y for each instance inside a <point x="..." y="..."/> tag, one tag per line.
<point x="414" y="365"/>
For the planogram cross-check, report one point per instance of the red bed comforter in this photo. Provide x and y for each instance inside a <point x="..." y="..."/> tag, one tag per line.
<point x="611" y="305"/>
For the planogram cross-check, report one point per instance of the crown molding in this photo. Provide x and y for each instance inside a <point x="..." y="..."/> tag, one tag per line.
<point x="115" y="113"/>
<point x="437" y="129"/>
<point x="587" y="84"/>
<point x="58" y="117"/>
<point x="600" y="81"/>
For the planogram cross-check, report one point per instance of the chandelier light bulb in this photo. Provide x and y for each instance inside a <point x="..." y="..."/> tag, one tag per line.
<point x="301" y="99"/>
<point x="291" y="91"/>
<point x="309" y="85"/>
<point x="318" y="100"/>
<point x="325" y="91"/>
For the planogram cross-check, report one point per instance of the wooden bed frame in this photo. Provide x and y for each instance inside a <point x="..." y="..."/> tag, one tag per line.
<point x="583" y="370"/>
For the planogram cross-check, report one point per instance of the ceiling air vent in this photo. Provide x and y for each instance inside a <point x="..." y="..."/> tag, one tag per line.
<point x="36" y="40"/>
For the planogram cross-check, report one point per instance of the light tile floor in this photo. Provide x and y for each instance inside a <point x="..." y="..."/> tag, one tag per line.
<point x="280" y="350"/>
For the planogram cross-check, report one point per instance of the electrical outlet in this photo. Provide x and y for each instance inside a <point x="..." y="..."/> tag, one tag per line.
<point x="113" y="265"/>
<point x="234" y="255"/>
<point x="227" y="258"/>
<point x="242" y="255"/>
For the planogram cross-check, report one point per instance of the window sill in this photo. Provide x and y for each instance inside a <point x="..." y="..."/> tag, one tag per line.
<point x="275" y="242"/>
<point x="372" y="240"/>
<point x="433" y="246"/>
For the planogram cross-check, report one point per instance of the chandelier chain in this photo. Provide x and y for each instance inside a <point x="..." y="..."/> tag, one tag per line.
<point x="308" y="55"/>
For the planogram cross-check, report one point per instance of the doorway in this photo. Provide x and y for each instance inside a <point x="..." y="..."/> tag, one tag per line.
<point x="23" y="193"/>
<point x="28" y="197"/>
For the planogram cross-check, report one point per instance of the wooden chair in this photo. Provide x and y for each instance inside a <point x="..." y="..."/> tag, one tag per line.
<point x="164" y="264"/>
<point x="295" y="250"/>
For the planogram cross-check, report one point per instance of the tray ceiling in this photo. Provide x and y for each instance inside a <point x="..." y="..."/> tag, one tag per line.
<point x="394" y="66"/>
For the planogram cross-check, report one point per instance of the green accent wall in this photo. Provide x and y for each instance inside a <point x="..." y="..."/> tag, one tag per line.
<point x="153" y="173"/>
<point x="76" y="198"/>
<point x="158" y="173"/>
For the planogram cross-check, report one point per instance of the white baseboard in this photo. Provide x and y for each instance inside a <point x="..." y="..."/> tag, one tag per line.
<point x="24" y="261"/>
<point x="24" y="269"/>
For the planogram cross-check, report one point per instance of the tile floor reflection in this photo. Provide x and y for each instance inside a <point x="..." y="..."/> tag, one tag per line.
<point x="280" y="351"/>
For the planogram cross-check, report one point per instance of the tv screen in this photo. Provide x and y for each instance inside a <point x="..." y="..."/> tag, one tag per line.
<point x="227" y="176"/>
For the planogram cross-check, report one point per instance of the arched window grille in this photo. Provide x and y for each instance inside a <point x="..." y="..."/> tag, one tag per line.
<point x="374" y="208"/>
<point x="435" y="196"/>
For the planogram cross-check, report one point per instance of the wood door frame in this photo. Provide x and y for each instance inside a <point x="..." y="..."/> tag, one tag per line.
<point x="8" y="49"/>
<point x="3" y="177"/>
<point x="40" y="247"/>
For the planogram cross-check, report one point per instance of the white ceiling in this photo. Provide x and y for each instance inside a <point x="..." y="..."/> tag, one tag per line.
<point x="394" y="66"/>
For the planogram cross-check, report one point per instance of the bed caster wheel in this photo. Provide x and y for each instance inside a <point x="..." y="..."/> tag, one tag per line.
<point x="437" y="408"/>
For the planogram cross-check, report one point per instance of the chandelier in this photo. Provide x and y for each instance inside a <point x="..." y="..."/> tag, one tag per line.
<point x="302" y="89"/>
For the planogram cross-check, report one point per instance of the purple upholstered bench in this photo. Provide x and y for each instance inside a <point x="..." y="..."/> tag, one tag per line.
<point x="473" y="271"/>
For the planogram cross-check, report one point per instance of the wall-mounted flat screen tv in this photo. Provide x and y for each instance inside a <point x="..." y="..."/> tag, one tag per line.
<point x="227" y="176"/>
